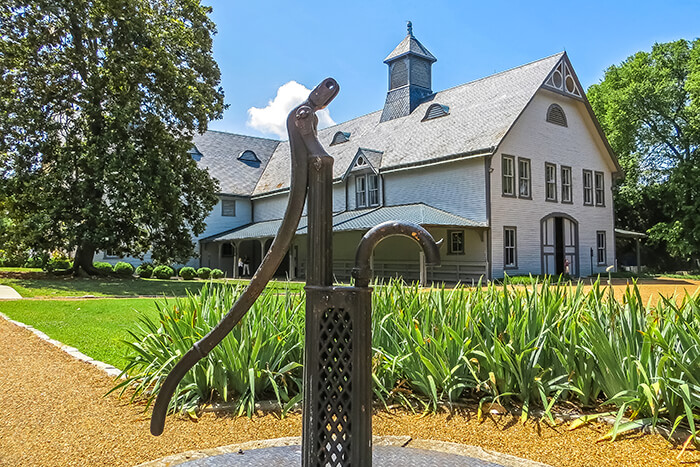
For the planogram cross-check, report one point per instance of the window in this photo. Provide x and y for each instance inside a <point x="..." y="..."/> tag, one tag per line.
<point x="435" y="111"/>
<point x="508" y="169"/>
<point x="456" y="245"/>
<point x="588" y="187"/>
<point x="566" y="185"/>
<point x="373" y="189"/>
<point x="550" y="171"/>
<point x="110" y="254"/>
<point x="227" y="250"/>
<point x="340" y="137"/>
<point x="228" y="207"/>
<point x="510" y="249"/>
<point x="248" y="156"/>
<point x="556" y="115"/>
<point x="367" y="190"/>
<point x="524" y="179"/>
<point x="599" y="189"/>
<point x="600" y="246"/>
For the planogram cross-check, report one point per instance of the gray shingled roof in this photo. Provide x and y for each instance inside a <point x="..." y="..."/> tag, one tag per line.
<point x="410" y="45"/>
<point x="481" y="113"/>
<point x="220" y="153"/>
<point x="363" y="219"/>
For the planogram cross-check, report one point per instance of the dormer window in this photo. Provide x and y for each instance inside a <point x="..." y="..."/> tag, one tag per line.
<point x="556" y="115"/>
<point x="366" y="190"/>
<point x="248" y="156"/>
<point x="436" y="111"/>
<point x="340" y="137"/>
<point x="195" y="154"/>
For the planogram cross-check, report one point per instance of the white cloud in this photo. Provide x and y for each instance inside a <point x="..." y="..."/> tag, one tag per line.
<point x="273" y="118"/>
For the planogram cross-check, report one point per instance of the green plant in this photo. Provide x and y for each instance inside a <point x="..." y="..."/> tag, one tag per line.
<point x="145" y="270"/>
<point x="123" y="269"/>
<point x="58" y="261"/>
<point x="104" y="268"/>
<point x="259" y="358"/>
<point x="204" y="273"/>
<point x="163" y="272"/>
<point x="217" y="273"/>
<point x="188" y="273"/>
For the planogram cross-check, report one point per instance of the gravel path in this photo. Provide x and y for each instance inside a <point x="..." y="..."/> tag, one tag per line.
<point x="54" y="413"/>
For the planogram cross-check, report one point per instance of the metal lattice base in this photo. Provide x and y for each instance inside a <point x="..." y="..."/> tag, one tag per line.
<point x="334" y="403"/>
<point x="337" y="374"/>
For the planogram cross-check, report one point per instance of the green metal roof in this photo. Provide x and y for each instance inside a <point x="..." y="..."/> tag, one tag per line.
<point x="363" y="219"/>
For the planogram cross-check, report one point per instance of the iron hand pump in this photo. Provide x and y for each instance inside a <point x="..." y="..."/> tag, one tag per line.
<point x="301" y="126"/>
<point x="337" y="407"/>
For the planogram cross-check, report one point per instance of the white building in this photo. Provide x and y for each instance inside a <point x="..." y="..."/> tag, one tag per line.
<point x="512" y="171"/>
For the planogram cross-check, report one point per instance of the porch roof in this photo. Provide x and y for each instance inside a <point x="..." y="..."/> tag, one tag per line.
<point x="363" y="219"/>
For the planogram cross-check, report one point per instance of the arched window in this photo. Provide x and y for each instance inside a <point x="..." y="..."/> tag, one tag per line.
<point x="436" y="111"/>
<point x="556" y="115"/>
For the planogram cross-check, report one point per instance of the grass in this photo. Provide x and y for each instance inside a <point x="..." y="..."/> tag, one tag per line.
<point x="44" y="285"/>
<point x="95" y="327"/>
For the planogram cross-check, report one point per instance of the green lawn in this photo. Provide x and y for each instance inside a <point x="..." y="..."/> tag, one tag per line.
<point x="49" y="286"/>
<point x="95" y="327"/>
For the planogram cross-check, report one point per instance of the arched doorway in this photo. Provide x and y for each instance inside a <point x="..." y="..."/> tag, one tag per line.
<point x="559" y="240"/>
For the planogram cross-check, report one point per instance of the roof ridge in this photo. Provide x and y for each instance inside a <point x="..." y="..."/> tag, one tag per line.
<point x="241" y="134"/>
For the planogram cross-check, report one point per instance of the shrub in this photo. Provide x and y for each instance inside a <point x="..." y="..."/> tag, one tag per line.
<point x="145" y="270"/>
<point x="163" y="272"/>
<point x="103" y="267"/>
<point x="123" y="269"/>
<point x="188" y="273"/>
<point x="36" y="261"/>
<point x="217" y="273"/>
<point x="204" y="273"/>
<point x="57" y="262"/>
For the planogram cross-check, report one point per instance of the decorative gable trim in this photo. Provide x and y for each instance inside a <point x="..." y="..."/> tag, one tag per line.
<point x="340" y="137"/>
<point x="563" y="80"/>
<point x="365" y="160"/>
<point x="436" y="111"/>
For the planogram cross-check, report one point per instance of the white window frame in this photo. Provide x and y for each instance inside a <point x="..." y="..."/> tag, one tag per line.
<point x="508" y="178"/>
<point x="550" y="184"/>
<point x="510" y="244"/>
<point x="367" y="190"/>
<point x="566" y="185"/>
<point x="587" y="187"/>
<point x="456" y="243"/>
<point x="601" y="247"/>
<point x="524" y="179"/>
<point x="599" y="188"/>
<point x="231" y="210"/>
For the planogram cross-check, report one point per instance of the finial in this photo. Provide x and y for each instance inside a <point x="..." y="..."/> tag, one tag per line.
<point x="409" y="28"/>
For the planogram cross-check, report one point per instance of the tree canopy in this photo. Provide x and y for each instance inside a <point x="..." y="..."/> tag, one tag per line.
<point x="649" y="108"/>
<point x="99" y="101"/>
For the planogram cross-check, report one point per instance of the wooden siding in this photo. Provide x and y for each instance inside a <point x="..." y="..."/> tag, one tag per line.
<point x="577" y="146"/>
<point x="457" y="187"/>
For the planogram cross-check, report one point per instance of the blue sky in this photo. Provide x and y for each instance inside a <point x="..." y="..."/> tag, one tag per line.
<point x="262" y="45"/>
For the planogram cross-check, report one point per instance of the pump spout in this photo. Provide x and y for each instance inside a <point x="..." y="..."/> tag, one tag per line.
<point x="362" y="272"/>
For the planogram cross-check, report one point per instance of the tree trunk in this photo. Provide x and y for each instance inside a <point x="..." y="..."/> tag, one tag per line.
<point x="82" y="265"/>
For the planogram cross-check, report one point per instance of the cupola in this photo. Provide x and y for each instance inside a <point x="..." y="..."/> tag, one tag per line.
<point x="410" y="80"/>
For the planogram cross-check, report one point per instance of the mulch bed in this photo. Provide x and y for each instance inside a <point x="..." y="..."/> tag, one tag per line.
<point x="54" y="412"/>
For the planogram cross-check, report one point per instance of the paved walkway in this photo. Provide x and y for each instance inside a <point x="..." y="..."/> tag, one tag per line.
<point x="8" y="293"/>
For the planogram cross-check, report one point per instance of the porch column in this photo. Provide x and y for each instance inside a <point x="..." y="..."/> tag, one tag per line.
<point x="262" y="249"/>
<point x="292" y="262"/>
<point x="423" y="269"/>
<point x="236" y="255"/>
<point x="639" y="256"/>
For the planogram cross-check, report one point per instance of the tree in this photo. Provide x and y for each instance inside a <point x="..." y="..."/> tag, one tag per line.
<point x="99" y="101"/>
<point x="649" y="108"/>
